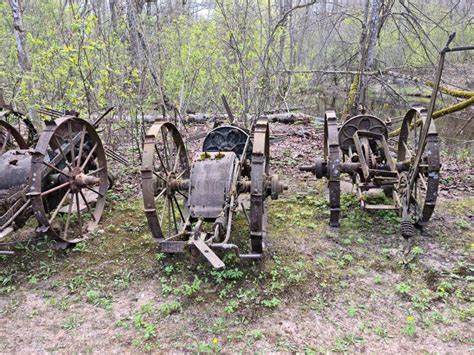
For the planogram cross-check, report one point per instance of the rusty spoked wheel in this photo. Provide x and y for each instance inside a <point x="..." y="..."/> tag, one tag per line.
<point x="69" y="180"/>
<point x="165" y="171"/>
<point x="425" y="188"/>
<point x="10" y="138"/>
<point x="258" y="174"/>
<point x="332" y="157"/>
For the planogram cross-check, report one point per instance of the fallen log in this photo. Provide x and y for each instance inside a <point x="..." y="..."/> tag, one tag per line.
<point x="289" y="117"/>
<point x="440" y="113"/>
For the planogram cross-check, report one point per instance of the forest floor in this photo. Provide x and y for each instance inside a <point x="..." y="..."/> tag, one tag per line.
<point x="318" y="289"/>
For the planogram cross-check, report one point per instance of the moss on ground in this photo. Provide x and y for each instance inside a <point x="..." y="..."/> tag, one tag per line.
<point x="354" y="273"/>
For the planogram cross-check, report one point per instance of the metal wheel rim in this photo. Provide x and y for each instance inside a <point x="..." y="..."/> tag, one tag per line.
<point x="11" y="133"/>
<point x="332" y="156"/>
<point x="63" y="131"/>
<point x="165" y="133"/>
<point x="259" y="171"/>
<point x="426" y="187"/>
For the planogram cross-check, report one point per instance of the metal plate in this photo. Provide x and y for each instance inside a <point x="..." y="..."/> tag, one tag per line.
<point x="211" y="183"/>
<point x="171" y="246"/>
<point x="208" y="254"/>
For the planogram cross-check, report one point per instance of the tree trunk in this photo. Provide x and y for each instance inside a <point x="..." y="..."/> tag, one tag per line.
<point x="368" y="59"/>
<point x="113" y="13"/>
<point x="350" y="107"/>
<point x="23" y="60"/>
<point x="135" y="59"/>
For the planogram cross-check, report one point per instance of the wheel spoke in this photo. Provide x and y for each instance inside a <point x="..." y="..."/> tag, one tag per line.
<point x="55" y="168"/>
<point x="163" y="214"/>
<point x="181" y="174"/>
<point x="182" y="194"/>
<point x="81" y="146"/>
<point x="423" y="181"/>
<point x="161" y="159"/>
<point x="179" y="208"/>
<point x="97" y="192"/>
<point x="407" y="150"/>
<point x="71" y="143"/>
<point x="62" y="152"/>
<point x="176" y="159"/>
<point x="59" y="187"/>
<point x="166" y="149"/>
<point x="90" y="173"/>
<point x="68" y="218"/>
<point x="174" y="217"/>
<point x="89" y="156"/>
<point x="87" y="205"/>
<point x="160" y="194"/>
<point x="159" y="176"/>
<point x="79" y="217"/>
<point x="56" y="211"/>
<point x="169" y="217"/>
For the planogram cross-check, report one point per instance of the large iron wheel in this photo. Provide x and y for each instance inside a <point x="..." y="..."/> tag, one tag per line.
<point x="69" y="180"/>
<point x="10" y="138"/>
<point x="165" y="166"/>
<point x="425" y="188"/>
<point x="259" y="172"/>
<point x="332" y="157"/>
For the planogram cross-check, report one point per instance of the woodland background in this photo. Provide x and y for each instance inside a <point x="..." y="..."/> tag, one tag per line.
<point x="317" y="291"/>
<point x="263" y="55"/>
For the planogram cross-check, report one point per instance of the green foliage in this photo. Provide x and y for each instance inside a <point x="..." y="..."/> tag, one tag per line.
<point x="271" y="303"/>
<point x="403" y="288"/>
<point x="410" y="326"/>
<point x="81" y="59"/>
<point x="169" y="308"/>
<point x="97" y="298"/>
<point x="73" y="322"/>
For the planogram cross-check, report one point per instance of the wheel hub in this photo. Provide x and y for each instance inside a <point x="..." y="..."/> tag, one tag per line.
<point x="80" y="180"/>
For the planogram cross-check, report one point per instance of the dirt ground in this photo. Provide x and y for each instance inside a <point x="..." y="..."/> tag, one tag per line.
<point x="318" y="289"/>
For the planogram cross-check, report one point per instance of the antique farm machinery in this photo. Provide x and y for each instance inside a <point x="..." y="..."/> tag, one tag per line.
<point x="191" y="206"/>
<point x="409" y="174"/>
<point x="361" y="141"/>
<point x="61" y="180"/>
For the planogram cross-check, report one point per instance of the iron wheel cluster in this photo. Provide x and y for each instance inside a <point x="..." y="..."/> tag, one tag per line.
<point x="64" y="180"/>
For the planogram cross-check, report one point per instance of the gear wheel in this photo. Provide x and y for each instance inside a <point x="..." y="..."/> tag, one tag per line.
<point x="407" y="229"/>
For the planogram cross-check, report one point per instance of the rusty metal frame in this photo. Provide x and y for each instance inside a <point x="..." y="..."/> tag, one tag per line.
<point x="375" y="168"/>
<point x="75" y="174"/>
<point x="260" y="186"/>
<point x="13" y="132"/>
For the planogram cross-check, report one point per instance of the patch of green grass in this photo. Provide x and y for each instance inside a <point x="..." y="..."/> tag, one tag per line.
<point x="271" y="303"/>
<point x="403" y="288"/>
<point x="123" y="279"/>
<point x="99" y="299"/>
<point x="410" y="327"/>
<point x="73" y="322"/>
<point x="318" y="303"/>
<point x="462" y="223"/>
<point x="381" y="332"/>
<point x="255" y="335"/>
<point x="444" y="289"/>
<point x="170" y="308"/>
<point x="352" y="311"/>
<point x="211" y="347"/>
<point x="421" y="302"/>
